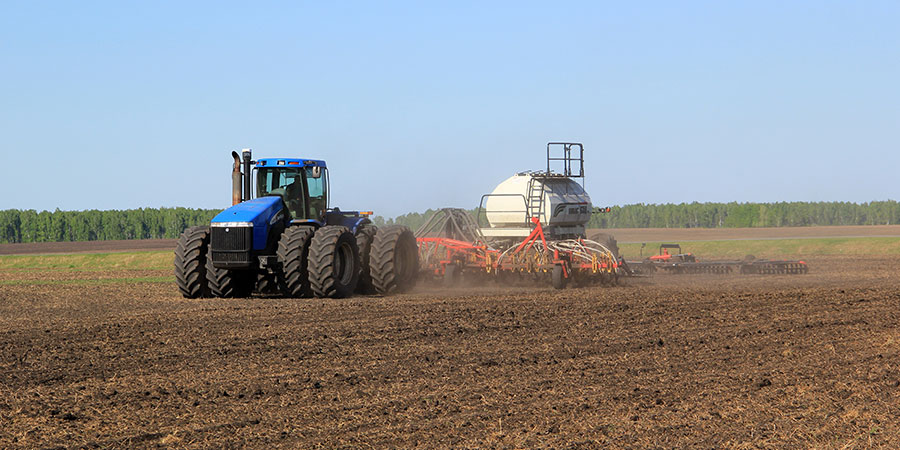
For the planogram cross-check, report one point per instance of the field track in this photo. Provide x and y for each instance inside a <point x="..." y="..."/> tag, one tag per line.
<point x="807" y="361"/>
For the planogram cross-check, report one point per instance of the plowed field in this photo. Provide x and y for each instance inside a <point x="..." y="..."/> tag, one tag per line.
<point x="674" y="362"/>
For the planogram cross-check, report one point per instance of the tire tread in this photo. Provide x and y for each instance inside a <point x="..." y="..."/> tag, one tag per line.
<point x="293" y="252"/>
<point x="382" y="260"/>
<point x="322" y="278"/>
<point x="190" y="262"/>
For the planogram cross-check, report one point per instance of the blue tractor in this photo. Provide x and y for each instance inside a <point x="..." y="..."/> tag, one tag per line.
<point x="287" y="240"/>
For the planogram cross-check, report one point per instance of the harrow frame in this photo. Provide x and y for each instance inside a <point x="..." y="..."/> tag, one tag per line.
<point x="581" y="260"/>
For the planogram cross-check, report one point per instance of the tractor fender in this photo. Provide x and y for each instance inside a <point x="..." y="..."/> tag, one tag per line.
<point x="308" y="222"/>
<point x="353" y="223"/>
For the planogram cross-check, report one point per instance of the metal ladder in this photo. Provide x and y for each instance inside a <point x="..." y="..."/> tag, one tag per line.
<point x="535" y="198"/>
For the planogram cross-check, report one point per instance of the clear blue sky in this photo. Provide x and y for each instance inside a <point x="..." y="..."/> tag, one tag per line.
<point x="115" y="105"/>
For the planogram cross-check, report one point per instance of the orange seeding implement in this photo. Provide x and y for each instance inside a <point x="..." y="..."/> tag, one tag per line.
<point x="535" y="258"/>
<point x="531" y="227"/>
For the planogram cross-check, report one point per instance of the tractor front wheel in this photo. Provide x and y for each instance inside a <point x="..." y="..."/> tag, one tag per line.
<point x="190" y="262"/>
<point x="333" y="262"/>
<point x="229" y="283"/>
<point x="267" y="283"/>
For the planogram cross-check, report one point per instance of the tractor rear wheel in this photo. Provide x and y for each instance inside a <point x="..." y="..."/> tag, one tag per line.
<point x="333" y="262"/>
<point x="364" y="237"/>
<point x="190" y="262"/>
<point x="229" y="283"/>
<point x="293" y="254"/>
<point x="394" y="260"/>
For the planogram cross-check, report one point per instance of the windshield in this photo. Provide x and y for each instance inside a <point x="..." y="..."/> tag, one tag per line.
<point x="285" y="182"/>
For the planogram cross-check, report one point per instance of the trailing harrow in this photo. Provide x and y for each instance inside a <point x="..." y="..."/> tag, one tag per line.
<point x="687" y="263"/>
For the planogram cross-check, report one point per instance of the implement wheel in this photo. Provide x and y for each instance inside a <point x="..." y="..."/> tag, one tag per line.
<point x="558" y="277"/>
<point x="333" y="262"/>
<point x="452" y="275"/>
<point x="394" y="260"/>
<point x="293" y="253"/>
<point x="190" y="262"/>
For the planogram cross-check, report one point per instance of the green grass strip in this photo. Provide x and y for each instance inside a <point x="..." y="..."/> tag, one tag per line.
<point x="89" y="282"/>
<point x="157" y="260"/>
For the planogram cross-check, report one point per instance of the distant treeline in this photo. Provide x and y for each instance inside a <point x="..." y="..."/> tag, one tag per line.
<point x="745" y="215"/>
<point x="94" y="225"/>
<point x="148" y="223"/>
<point x="726" y="215"/>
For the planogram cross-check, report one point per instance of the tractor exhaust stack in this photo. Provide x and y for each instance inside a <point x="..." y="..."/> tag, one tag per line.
<point x="236" y="179"/>
<point x="246" y="153"/>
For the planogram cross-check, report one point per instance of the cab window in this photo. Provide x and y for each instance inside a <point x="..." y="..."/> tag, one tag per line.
<point x="285" y="182"/>
<point x="317" y="180"/>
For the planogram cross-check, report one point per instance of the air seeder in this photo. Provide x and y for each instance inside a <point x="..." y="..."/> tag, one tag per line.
<point x="531" y="227"/>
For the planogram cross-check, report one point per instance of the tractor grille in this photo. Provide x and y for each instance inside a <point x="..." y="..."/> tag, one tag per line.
<point x="230" y="246"/>
<point x="231" y="239"/>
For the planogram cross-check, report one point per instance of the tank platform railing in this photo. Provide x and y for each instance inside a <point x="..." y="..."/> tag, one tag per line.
<point x="572" y="153"/>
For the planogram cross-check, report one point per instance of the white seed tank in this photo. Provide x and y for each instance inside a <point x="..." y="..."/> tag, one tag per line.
<point x="562" y="205"/>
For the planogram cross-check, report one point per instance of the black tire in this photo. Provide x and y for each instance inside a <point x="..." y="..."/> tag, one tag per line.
<point x="190" y="262"/>
<point x="267" y="283"/>
<point x="364" y="237"/>
<point x="333" y="262"/>
<point x="557" y="277"/>
<point x="608" y="241"/>
<point x="229" y="283"/>
<point x="394" y="261"/>
<point x="451" y="275"/>
<point x="293" y="254"/>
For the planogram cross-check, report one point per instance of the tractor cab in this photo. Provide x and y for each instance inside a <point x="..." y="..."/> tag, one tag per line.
<point x="302" y="184"/>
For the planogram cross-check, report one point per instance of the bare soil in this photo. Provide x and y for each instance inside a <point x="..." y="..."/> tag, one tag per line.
<point x="672" y="362"/>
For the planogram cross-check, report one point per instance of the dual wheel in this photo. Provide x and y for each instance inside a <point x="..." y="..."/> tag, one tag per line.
<point x="328" y="262"/>
<point x="332" y="262"/>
